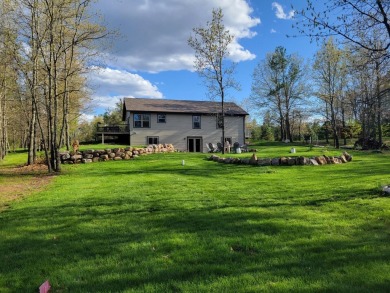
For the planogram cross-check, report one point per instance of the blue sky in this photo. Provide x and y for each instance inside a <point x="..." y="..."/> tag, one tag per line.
<point x="151" y="58"/>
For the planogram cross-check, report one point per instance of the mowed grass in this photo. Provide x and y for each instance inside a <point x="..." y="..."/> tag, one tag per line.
<point x="154" y="225"/>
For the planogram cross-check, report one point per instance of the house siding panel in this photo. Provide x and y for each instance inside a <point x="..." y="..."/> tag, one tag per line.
<point x="179" y="126"/>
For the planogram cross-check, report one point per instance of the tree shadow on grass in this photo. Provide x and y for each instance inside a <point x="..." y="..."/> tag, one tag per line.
<point x="92" y="248"/>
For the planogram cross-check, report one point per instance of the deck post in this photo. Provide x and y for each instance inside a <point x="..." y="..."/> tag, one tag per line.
<point x="102" y="138"/>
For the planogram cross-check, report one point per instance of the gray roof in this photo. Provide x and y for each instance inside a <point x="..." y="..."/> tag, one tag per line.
<point x="180" y="106"/>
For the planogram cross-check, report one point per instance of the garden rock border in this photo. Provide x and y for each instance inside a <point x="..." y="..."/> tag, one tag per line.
<point x="285" y="161"/>
<point x="116" y="154"/>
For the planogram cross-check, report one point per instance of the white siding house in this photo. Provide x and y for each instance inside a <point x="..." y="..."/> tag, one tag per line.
<point x="188" y="125"/>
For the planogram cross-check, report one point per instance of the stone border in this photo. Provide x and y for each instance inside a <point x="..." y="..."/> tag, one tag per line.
<point x="285" y="161"/>
<point x="117" y="154"/>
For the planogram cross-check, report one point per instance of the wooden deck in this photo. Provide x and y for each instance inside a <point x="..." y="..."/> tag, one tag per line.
<point x="113" y="129"/>
<point x="119" y="131"/>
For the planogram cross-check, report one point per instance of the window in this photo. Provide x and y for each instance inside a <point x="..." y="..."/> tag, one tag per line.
<point x="196" y="122"/>
<point x="141" y="120"/>
<point x="161" y="118"/>
<point x="219" y="121"/>
<point x="152" y="140"/>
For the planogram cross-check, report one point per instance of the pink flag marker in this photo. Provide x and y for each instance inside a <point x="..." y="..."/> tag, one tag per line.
<point x="45" y="287"/>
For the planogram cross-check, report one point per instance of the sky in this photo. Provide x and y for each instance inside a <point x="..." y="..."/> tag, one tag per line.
<point x="150" y="56"/>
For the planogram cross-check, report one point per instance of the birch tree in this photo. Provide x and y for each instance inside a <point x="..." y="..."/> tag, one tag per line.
<point x="61" y="40"/>
<point x="8" y="76"/>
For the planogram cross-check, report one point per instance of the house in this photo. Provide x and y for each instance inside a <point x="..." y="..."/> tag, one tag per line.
<point x="188" y="125"/>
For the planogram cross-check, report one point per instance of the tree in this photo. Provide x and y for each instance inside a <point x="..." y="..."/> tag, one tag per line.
<point x="361" y="22"/>
<point x="8" y="74"/>
<point x="211" y="45"/>
<point x="86" y="131"/>
<point x="60" y="37"/>
<point x="367" y="95"/>
<point x="114" y="116"/>
<point x="330" y="76"/>
<point x="279" y="85"/>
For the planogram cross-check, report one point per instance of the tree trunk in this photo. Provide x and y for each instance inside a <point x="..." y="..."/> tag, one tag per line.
<point x="31" y="141"/>
<point x="288" y="128"/>
<point x="334" y="127"/>
<point x="2" y="147"/>
<point x="379" y="103"/>
<point x="343" y="123"/>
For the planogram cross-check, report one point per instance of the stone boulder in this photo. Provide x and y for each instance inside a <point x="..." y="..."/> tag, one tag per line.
<point x="228" y="160"/>
<point x="104" y="157"/>
<point x="236" y="161"/>
<point x="253" y="160"/>
<point x="343" y="159"/>
<point x="264" y="162"/>
<point x="65" y="156"/>
<point x="245" y="161"/>
<point x="76" y="157"/>
<point x="284" y="161"/>
<point x="87" y="156"/>
<point x="292" y="161"/>
<point x="347" y="156"/>
<point x="302" y="161"/>
<point x="386" y="190"/>
<point x="321" y="160"/>
<point x="329" y="160"/>
<point x="337" y="160"/>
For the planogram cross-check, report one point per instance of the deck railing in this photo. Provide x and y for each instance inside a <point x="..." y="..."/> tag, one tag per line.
<point x="118" y="128"/>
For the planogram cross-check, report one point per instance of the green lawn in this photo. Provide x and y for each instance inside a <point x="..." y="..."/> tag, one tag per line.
<point x="153" y="225"/>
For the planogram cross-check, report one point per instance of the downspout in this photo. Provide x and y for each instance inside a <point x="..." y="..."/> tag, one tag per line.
<point x="243" y="124"/>
<point x="129" y="124"/>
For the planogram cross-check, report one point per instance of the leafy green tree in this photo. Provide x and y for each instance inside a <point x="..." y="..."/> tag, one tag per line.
<point x="279" y="85"/>
<point x="267" y="133"/>
<point x="330" y="74"/>
<point x="61" y="37"/>
<point x="211" y="45"/>
<point x="86" y="131"/>
<point x="114" y="116"/>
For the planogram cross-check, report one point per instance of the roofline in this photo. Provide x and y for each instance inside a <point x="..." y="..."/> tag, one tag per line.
<point x="245" y="113"/>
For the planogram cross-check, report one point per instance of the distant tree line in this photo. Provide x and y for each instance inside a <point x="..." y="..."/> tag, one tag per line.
<point x="350" y="82"/>
<point x="86" y="131"/>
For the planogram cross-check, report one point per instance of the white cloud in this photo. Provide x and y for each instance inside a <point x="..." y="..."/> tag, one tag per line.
<point x="280" y="11"/>
<point x="110" y="85"/>
<point x="238" y="53"/>
<point x="273" y="31"/>
<point x="84" y="117"/>
<point x="154" y="34"/>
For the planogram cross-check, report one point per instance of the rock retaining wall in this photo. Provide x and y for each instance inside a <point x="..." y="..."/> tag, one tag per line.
<point x="285" y="161"/>
<point x="117" y="154"/>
